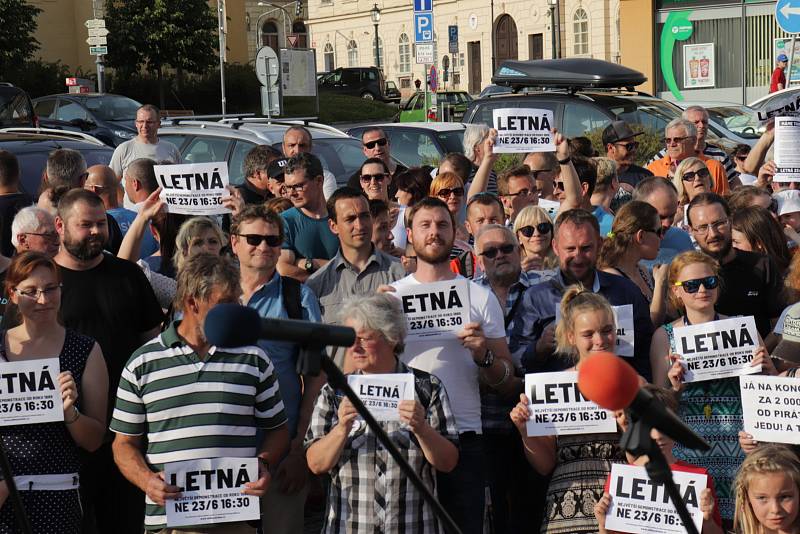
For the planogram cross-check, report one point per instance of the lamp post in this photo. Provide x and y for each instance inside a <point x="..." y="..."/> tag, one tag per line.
<point x="286" y="17"/>
<point x="553" y="5"/>
<point x="375" y="12"/>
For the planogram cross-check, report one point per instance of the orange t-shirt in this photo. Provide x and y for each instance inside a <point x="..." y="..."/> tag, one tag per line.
<point x="661" y="167"/>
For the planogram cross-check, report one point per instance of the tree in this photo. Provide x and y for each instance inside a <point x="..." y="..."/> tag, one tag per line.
<point x="158" y="34"/>
<point x="17" y="25"/>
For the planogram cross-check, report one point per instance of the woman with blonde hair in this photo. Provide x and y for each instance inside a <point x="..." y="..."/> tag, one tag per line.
<point x="534" y="231"/>
<point x="449" y="188"/>
<point x="691" y="178"/>
<point x="198" y="234"/>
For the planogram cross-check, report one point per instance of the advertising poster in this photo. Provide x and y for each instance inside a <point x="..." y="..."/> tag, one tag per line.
<point x="698" y="65"/>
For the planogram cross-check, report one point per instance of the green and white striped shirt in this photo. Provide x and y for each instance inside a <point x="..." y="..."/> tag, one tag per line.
<point x="190" y="408"/>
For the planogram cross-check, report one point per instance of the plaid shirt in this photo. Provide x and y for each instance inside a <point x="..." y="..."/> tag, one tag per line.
<point x="369" y="493"/>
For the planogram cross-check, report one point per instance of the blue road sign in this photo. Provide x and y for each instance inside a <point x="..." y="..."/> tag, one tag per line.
<point x="423" y="27"/>
<point x="787" y="15"/>
<point x="433" y="79"/>
<point x="452" y="39"/>
<point x="423" y="5"/>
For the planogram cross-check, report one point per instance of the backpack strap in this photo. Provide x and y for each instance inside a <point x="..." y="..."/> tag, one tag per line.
<point x="290" y="289"/>
<point x="423" y="387"/>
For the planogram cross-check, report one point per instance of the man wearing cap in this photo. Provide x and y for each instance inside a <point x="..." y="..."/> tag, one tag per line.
<point x="620" y="142"/>
<point x="778" y="80"/>
<point x="257" y="186"/>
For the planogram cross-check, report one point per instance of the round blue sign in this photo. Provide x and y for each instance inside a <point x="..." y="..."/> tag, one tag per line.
<point x="787" y="15"/>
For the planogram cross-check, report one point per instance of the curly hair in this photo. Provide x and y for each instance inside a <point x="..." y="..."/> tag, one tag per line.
<point x="765" y="460"/>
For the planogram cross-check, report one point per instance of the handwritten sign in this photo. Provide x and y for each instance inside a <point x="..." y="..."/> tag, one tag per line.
<point x="718" y="349"/>
<point x="194" y="188"/>
<point x="640" y="505"/>
<point x="436" y="310"/>
<point x="523" y="130"/>
<point x="211" y="491"/>
<point x="558" y="407"/>
<point x="382" y="394"/>
<point x="29" y="392"/>
<point x="771" y="408"/>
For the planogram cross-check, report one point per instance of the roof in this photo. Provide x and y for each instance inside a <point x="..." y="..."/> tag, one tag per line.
<point x="81" y="95"/>
<point x="437" y="126"/>
<point x="568" y="73"/>
<point x="28" y="142"/>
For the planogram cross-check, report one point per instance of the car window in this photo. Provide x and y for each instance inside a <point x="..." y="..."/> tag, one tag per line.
<point x="738" y="119"/>
<point x="236" y="164"/>
<point x="483" y="113"/>
<point x="580" y="118"/>
<point x="32" y="165"/>
<point x="370" y="75"/>
<point x="340" y="156"/>
<point x="451" y="141"/>
<point x="206" y="150"/>
<point x="112" y="107"/>
<point x="45" y="109"/>
<point x="350" y="77"/>
<point x="15" y="109"/>
<point x="414" y="148"/>
<point x="391" y="85"/>
<point x="179" y="140"/>
<point x="418" y="103"/>
<point x="68" y="111"/>
<point x="650" y="113"/>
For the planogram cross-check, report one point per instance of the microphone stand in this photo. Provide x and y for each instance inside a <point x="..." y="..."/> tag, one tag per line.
<point x="313" y="358"/>
<point x="13" y="494"/>
<point x="638" y="442"/>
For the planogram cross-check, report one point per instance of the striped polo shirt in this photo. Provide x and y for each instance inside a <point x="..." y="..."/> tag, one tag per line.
<point x="190" y="409"/>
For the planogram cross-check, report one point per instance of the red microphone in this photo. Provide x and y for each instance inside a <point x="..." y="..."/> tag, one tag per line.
<point x="611" y="383"/>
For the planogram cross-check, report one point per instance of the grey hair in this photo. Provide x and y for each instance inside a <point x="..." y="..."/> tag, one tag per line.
<point x="65" y="167"/>
<point x="380" y="313"/>
<point x="474" y="134"/>
<point x="489" y="227"/>
<point x="689" y="126"/>
<point x="27" y="220"/>
<point x="688" y="110"/>
<point x="652" y="185"/>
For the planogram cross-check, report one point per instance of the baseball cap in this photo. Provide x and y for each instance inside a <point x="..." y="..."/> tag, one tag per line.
<point x="782" y="57"/>
<point x="276" y="168"/>
<point x="616" y="131"/>
<point x="789" y="347"/>
<point x="788" y="201"/>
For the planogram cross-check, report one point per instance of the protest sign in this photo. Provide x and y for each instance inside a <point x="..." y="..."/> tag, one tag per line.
<point x="194" y="188"/>
<point x="787" y="138"/>
<point x="771" y="408"/>
<point x="29" y="392"/>
<point x="789" y="102"/>
<point x="640" y="505"/>
<point x="435" y="310"/>
<point x="382" y="393"/>
<point x="550" y="206"/>
<point x="558" y="408"/>
<point x="717" y="349"/>
<point x="523" y="130"/>
<point x="211" y="491"/>
<point x="623" y="318"/>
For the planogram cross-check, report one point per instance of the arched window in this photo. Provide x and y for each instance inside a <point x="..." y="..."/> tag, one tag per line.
<point x="352" y="54"/>
<point x="299" y="29"/>
<point x="405" y="53"/>
<point x="269" y="35"/>
<point x="580" y="31"/>
<point x="329" y="58"/>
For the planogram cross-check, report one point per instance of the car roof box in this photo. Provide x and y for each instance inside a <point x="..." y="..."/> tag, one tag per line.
<point x="568" y="73"/>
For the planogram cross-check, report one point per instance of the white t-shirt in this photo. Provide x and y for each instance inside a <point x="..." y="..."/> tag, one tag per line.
<point x="399" y="231"/>
<point x="451" y="362"/>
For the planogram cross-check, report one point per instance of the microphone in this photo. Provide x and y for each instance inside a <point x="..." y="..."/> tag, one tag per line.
<point x="611" y="383"/>
<point x="232" y="325"/>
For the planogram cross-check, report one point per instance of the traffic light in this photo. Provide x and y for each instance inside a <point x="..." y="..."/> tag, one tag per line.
<point x="298" y="8"/>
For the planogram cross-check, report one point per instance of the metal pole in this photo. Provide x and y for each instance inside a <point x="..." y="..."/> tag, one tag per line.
<point x="553" y="29"/>
<point x="791" y="64"/>
<point x="377" y="51"/>
<point x="744" y="53"/>
<point x="425" y="102"/>
<point x="101" y="74"/>
<point x="492" y="29"/>
<point x="220" y="7"/>
<point x="269" y="91"/>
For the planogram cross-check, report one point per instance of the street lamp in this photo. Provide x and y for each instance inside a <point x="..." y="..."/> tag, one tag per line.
<point x="375" y="12"/>
<point x="553" y="5"/>
<point x="286" y="16"/>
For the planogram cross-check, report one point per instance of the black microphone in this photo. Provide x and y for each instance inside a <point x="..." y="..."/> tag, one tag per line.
<point x="232" y="325"/>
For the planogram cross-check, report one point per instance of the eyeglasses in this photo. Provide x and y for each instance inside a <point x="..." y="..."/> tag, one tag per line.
<point x="380" y="142"/>
<point x="296" y="188"/>
<point x="633" y="145"/>
<point x="676" y="140"/>
<point x="542" y="228"/>
<point x="445" y="193"/>
<point x="717" y="225"/>
<point x="523" y="193"/>
<point x="255" y="239"/>
<point x="367" y="178"/>
<point x="693" y="286"/>
<point x="689" y="176"/>
<point x="491" y="252"/>
<point x="536" y="173"/>
<point x="34" y="293"/>
<point x="53" y="236"/>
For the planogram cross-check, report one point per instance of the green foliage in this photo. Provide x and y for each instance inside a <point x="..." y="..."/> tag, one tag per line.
<point x="17" y="26"/>
<point x="650" y="142"/>
<point x="39" y="78"/>
<point x="507" y="161"/>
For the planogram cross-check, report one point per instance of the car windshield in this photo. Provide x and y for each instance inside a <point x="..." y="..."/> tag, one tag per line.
<point x="651" y="113"/>
<point x="342" y="156"/>
<point x="452" y="141"/>
<point x="112" y="107"/>
<point x="741" y="120"/>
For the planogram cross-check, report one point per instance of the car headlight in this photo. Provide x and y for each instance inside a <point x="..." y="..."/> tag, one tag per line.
<point x="124" y="134"/>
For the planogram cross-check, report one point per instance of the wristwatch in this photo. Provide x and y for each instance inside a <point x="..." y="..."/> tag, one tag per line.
<point x="565" y="161"/>
<point x="488" y="359"/>
<point x="309" y="265"/>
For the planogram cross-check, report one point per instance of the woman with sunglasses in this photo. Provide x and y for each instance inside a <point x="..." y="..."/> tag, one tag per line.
<point x="534" y="231"/>
<point x="374" y="179"/>
<point x="753" y="229"/>
<point x="449" y="188"/>
<point x="712" y="408"/>
<point x="691" y="178"/>
<point x="635" y="236"/>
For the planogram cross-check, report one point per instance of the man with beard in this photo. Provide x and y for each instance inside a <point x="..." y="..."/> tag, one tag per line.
<point x="751" y="282"/>
<point x="110" y="300"/>
<point x="478" y="354"/>
<point x="576" y="242"/>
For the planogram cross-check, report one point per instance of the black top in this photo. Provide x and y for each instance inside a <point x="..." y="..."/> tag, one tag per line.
<point x="355" y="180"/>
<point x="634" y="175"/>
<point x="251" y="195"/>
<point x="751" y="285"/>
<point x="10" y="204"/>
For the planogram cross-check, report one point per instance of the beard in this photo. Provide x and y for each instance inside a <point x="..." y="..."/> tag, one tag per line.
<point x="86" y="249"/>
<point x="442" y="257"/>
<point x="720" y="254"/>
<point x="504" y="275"/>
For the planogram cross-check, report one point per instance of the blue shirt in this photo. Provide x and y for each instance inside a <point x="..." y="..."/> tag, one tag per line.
<point x="268" y="302"/>
<point x="124" y="218"/>
<point x="308" y="237"/>
<point x="673" y="243"/>
<point x="605" y="219"/>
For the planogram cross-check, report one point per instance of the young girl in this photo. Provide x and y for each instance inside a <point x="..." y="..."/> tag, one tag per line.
<point x="579" y="463"/>
<point x="768" y="492"/>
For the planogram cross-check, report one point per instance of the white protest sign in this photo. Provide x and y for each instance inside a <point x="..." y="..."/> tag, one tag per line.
<point x="382" y="394"/>
<point x="29" y="392"/>
<point x="787" y="158"/>
<point x="623" y="318"/>
<point x="778" y="106"/>
<point x="436" y="310"/>
<point x="718" y="349"/>
<point x="558" y="407"/>
<point x="194" y="188"/>
<point x="771" y="408"/>
<point x="550" y="206"/>
<point x="639" y="505"/>
<point x="211" y="491"/>
<point x="523" y="130"/>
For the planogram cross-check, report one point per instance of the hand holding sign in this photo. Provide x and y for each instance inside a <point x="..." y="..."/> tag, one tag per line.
<point x="347" y="415"/>
<point x="561" y="144"/>
<point x="472" y="338"/>
<point x="413" y="415"/>
<point x="258" y="488"/>
<point x="69" y="393"/>
<point x="159" y="491"/>
<point x="488" y="145"/>
<point x="521" y="413"/>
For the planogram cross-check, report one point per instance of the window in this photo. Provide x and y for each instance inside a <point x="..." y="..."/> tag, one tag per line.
<point x="580" y="119"/>
<point x="299" y="29"/>
<point x="352" y="54"/>
<point x="329" y="58"/>
<point x="269" y="35"/>
<point x="405" y="53"/>
<point x="206" y="150"/>
<point x="580" y="30"/>
<point x="45" y="109"/>
<point x="236" y="166"/>
<point x="68" y="111"/>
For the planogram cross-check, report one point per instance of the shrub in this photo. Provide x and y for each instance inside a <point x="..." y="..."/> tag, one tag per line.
<point x="650" y="142"/>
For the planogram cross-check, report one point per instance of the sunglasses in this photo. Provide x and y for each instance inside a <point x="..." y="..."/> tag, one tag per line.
<point x="633" y="145"/>
<point x="255" y="239"/>
<point x="676" y="140"/>
<point x="445" y="193"/>
<point x="559" y="185"/>
<point x="523" y="193"/>
<point x="542" y="228"/>
<point x="537" y="172"/>
<point x="491" y="253"/>
<point x="741" y="157"/>
<point x="693" y="286"/>
<point x="369" y="177"/>
<point x="689" y="176"/>
<point x="380" y="142"/>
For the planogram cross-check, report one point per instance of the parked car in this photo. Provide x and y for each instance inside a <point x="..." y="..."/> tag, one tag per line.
<point x="415" y="110"/>
<point x="232" y="138"/>
<point x="493" y="89"/>
<point x="735" y="122"/>
<point x="774" y="103"/>
<point x="363" y="82"/>
<point x="392" y="92"/>
<point x="16" y="108"/>
<point x="419" y="143"/>
<point x="32" y="146"/>
<point x="107" y="117"/>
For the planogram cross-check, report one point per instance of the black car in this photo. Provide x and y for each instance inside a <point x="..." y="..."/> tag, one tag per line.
<point x="107" y="117"/>
<point x="16" y="108"/>
<point x="363" y="82"/>
<point x="392" y="92"/>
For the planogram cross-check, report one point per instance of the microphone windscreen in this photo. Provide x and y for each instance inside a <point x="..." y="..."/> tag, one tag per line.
<point x="232" y="325"/>
<point x="608" y="381"/>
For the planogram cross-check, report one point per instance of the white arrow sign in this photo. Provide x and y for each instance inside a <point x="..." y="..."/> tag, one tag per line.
<point x="787" y="10"/>
<point x="95" y="23"/>
<point x="98" y="32"/>
<point x="96" y="41"/>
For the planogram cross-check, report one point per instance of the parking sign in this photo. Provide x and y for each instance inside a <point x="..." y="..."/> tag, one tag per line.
<point x="452" y="38"/>
<point x="423" y="27"/>
<point x="423" y="5"/>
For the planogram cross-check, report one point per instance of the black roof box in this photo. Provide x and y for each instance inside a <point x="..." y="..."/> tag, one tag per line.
<point x="568" y="73"/>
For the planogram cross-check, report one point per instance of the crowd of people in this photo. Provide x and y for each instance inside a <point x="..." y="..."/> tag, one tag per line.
<point x="99" y="273"/>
